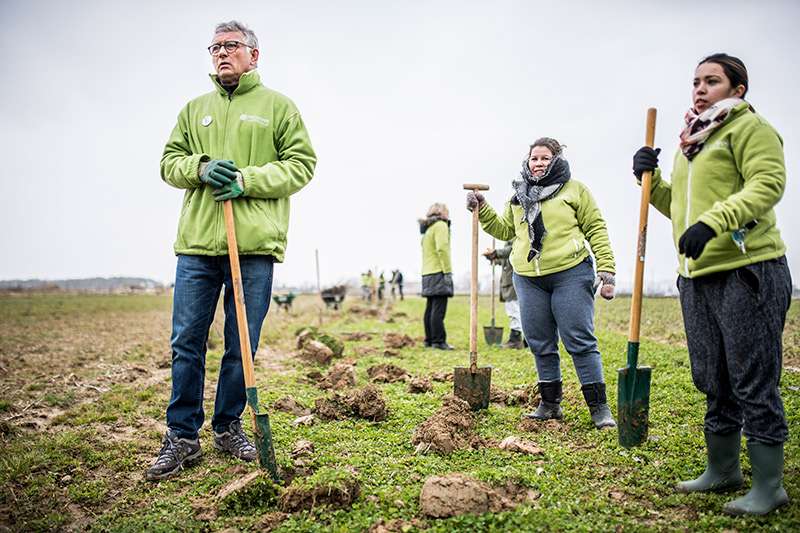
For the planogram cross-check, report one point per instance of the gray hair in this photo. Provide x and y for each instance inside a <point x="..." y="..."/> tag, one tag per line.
<point x="250" y="38"/>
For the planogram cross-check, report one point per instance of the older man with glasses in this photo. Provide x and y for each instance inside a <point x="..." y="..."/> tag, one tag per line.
<point x="241" y="142"/>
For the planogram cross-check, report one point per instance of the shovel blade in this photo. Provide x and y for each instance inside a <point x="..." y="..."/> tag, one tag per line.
<point x="473" y="387"/>
<point x="633" y="405"/>
<point x="493" y="335"/>
<point x="262" y="435"/>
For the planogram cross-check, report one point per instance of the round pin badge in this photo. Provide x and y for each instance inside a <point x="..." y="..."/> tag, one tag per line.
<point x="206" y="120"/>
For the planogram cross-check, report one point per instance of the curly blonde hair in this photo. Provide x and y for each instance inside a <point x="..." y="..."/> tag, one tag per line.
<point x="440" y="210"/>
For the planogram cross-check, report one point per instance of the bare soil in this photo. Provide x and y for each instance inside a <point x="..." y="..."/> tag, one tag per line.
<point x="457" y="494"/>
<point x="367" y="403"/>
<point x="398" y="341"/>
<point x="419" y="385"/>
<point x="450" y="428"/>
<point x="387" y="373"/>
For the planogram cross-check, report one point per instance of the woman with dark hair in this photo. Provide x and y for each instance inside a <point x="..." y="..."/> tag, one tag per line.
<point x="437" y="274"/>
<point x="553" y="218"/>
<point x="734" y="283"/>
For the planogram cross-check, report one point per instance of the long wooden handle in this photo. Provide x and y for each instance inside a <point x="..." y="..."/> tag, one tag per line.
<point x="238" y="297"/>
<point x="638" y="278"/>
<point x="473" y="297"/>
<point x="493" y="287"/>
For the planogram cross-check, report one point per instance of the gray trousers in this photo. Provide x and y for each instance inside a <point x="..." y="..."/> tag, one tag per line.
<point x="561" y="304"/>
<point x="734" y="323"/>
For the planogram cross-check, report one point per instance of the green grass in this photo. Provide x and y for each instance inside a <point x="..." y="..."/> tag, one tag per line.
<point x="77" y="470"/>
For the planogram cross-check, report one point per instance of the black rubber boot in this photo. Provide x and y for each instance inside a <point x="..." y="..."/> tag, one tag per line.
<point x="767" y="493"/>
<point x="550" y="404"/>
<point x="723" y="472"/>
<point x="514" y="340"/>
<point x="595" y="396"/>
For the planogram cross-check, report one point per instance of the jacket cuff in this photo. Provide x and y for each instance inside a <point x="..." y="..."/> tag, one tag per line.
<point x="709" y="220"/>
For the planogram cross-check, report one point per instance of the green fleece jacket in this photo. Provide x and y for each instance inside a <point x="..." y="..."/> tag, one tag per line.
<point x="262" y="132"/>
<point x="436" y="249"/>
<point x="571" y="218"/>
<point x="736" y="178"/>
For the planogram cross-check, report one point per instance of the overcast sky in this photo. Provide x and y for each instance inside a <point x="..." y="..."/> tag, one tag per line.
<point x="404" y="102"/>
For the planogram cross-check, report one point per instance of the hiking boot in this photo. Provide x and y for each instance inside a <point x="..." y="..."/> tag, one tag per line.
<point x="550" y="404"/>
<point x="595" y="396"/>
<point x="441" y="346"/>
<point x="175" y="455"/>
<point x="515" y="341"/>
<point x="723" y="472"/>
<point x="767" y="493"/>
<point x="234" y="442"/>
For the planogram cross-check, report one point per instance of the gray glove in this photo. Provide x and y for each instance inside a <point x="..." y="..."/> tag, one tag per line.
<point x="607" y="282"/>
<point x="474" y="199"/>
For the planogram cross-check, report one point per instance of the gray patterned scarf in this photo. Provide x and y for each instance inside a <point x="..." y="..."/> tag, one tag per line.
<point x="531" y="191"/>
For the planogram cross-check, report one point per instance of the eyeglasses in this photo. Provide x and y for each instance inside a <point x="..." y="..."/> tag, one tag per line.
<point x="230" y="47"/>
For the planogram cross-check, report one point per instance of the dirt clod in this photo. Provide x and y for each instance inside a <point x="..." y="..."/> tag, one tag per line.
<point x="367" y="403"/>
<point x="390" y="353"/>
<point x="448" y="429"/>
<point x="419" y="385"/>
<point x="457" y="494"/>
<point x="253" y="490"/>
<point x="516" y="444"/>
<point x="317" y="352"/>
<point x="288" y="404"/>
<point x="357" y="336"/>
<point x="397" y="340"/>
<point x="521" y="396"/>
<point x="307" y="420"/>
<point x="534" y="426"/>
<point x="442" y="376"/>
<point x="335" y="488"/>
<point x="387" y="373"/>
<point x="340" y="376"/>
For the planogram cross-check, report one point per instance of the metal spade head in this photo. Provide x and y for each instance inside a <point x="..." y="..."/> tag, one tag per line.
<point x="493" y="335"/>
<point x="473" y="386"/>
<point x="633" y="404"/>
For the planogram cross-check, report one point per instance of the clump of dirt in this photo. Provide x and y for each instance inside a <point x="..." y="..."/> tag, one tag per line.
<point x="387" y="373"/>
<point x="305" y="420"/>
<point x="288" y="404"/>
<point x="252" y="491"/>
<point x="518" y="396"/>
<point x="419" y="385"/>
<point x="365" y="351"/>
<point x="516" y="444"/>
<point x="364" y="311"/>
<point x="302" y="453"/>
<point x="357" y="336"/>
<point x="442" y="376"/>
<point x="337" y="488"/>
<point x="310" y="333"/>
<point x="398" y="525"/>
<point x="457" y="494"/>
<point x="316" y="352"/>
<point x="535" y="426"/>
<point x="340" y="376"/>
<point x="398" y="340"/>
<point x="390" y="353"/>
<point x="450" y="428"/>
<point x="367" y="403"/>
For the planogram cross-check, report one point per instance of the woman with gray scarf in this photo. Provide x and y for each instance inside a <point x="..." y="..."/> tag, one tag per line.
<point x="556" y="222"/>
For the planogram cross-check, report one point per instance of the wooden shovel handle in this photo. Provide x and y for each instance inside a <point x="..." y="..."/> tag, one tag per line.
<point x="473" y="286"/>
<point x="238" y="297"/>
<point x="638" y="278"/>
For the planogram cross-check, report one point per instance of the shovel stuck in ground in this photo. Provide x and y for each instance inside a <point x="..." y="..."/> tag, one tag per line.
<point x="493" y="334"/>
<point x="262" y="432"/>
<point x="633" y="400"/>
<point x="472" y="384"/>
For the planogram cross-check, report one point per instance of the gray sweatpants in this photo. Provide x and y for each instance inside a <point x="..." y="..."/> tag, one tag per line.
<point x="734" y="323"/>
<point x="561" y="304"/>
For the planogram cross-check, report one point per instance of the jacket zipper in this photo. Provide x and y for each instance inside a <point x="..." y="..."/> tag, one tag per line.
<point x="220" y="214"/>
<point x="688" y="211"/>
<point x="536" y="263"/>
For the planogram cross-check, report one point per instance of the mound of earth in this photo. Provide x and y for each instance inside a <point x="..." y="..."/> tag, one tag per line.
<point x="387" y="373"/>
<point x="450" y="428"/>
<point x="442" y="376"/>
<point x="288" y="404"/>
<point x="534" y="426"/>
<point x="520" y="396"/>
<point x="340" y="376"/>
<point x="364" y="311"/>
<point x="357" y="336"/>
<point x="367" y="403"/>
<point x="419" y="385"/>
<point x="398" y="340"/>
<point x="457" y="494"/>
<point x="316" y="352"/>
<point x="516" y="444"/>
<point x="310" y="333"/>
<point x="337" y="488"/>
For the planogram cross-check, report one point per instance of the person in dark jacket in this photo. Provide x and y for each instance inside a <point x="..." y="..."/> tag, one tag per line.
<point x="508" y="295"/>
<point x="437" y="274"/>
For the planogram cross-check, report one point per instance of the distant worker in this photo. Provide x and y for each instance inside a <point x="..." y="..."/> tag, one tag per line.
<point x="437" y="274"/>
<point x="381" y="286"/>
<point x="365" y="289"/>
<point x="508" y="295"/>
<point x="397" y="281"/>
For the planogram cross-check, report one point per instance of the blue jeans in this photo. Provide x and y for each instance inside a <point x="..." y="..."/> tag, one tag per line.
<point x="198" y="282"/>
<point x="561" y="304"/>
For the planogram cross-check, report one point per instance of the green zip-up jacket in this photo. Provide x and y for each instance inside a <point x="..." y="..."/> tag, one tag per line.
<point x="571" y="218"/>
<point x="262" y="132"/>
<point x="736" y="178"/>
<point x="436" y="249"/>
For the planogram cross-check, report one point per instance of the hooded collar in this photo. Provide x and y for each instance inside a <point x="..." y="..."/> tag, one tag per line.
<point x="247" y="81"/>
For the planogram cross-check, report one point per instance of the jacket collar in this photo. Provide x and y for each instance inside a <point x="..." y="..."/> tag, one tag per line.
<point x="247" y="81"/>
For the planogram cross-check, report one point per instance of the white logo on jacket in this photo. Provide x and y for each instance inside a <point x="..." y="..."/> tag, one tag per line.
<point x="254" y="118"/>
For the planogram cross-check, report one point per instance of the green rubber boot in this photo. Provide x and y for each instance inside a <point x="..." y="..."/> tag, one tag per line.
<point x="723" y="472"/>
<point x="767" y="493"/>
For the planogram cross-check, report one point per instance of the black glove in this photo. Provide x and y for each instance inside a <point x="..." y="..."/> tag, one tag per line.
<point x="694" y="239"/>
<point x="645" y="159"/>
